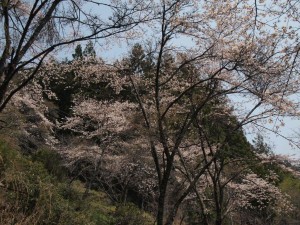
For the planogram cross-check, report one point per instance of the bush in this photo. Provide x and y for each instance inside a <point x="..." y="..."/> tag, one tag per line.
<point x="30" y="194"/>
<point x="129" y="214"/>
<point x="52" y="162"/>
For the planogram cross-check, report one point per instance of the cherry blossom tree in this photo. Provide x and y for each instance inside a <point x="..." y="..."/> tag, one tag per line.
<point x="234" y="52"/>
<point x="103" y="120"/>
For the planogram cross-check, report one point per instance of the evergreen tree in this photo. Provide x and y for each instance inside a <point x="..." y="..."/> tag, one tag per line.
<point x="78" y="52"/>
<point x="89" y="50"/>
<point x="260" y="146"/>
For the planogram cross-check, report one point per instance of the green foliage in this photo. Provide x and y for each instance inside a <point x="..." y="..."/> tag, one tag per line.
<point x="78" y="52"/>
<point x="29" y="192"/>
<point x="139" y="62"/>
<point x="260" y="146"/>
<point x="89" y="50"/>
<point x="52" y="162"/>
<point x="129" y="214"/>
<point x="34" y="190"/>
<point x="291" y="185"/>
<point x="64" y="88"/>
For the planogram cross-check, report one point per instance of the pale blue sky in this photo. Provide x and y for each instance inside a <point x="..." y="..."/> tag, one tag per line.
<point x="278" y="143"/>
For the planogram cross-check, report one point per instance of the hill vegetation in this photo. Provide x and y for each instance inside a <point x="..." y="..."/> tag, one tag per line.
<point x="155" y="135"/>
<point x="83" y="158"/>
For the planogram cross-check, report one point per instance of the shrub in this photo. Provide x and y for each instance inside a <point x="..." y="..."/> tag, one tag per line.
<point x="129" y="214"/>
